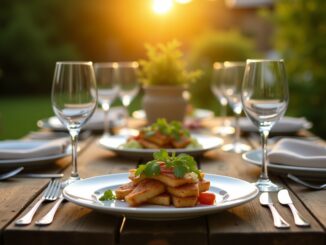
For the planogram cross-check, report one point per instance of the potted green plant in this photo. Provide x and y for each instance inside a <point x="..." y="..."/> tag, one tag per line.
<point x="165" y="80"/>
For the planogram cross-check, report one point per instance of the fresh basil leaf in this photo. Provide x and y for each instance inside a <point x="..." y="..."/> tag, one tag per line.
<point x="107" y="195"/>
<point x="140" y="169"/>
<point x="179" y="171"/>
<point x="152" y="169"/>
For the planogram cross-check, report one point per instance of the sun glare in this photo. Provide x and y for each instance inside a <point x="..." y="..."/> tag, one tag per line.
<point x="183" y="1"/>
<point x="162" y="6"/>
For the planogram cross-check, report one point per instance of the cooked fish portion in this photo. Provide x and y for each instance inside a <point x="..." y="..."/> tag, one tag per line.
<point x="180" y="202"/>
<point x="162" y="199"/>
<point x="144" y="191"/>
<point x="181" y="143"/>
<point x="169" y="179"/>
<point x="204" y="185"/>
<point x="124" y="190"/>
<point x="187" y="190"/>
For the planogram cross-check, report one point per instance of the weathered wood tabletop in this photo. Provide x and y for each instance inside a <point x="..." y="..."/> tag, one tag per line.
<point x="248" y="223"/>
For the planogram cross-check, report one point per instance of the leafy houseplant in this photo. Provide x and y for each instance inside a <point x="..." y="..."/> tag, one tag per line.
<point x="165" y="78"/>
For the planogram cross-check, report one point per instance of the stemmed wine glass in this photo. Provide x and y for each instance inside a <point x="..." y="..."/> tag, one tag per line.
<point x="231" y="88"/>
<point x="108" y="89"/>
<point x="265" y="98"/>
<point x="216" y="87"/>
<point x="74" y="99"/>
<point x="128" y="88"/>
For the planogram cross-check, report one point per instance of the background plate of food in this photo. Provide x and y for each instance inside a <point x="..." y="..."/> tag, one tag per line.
<point x="160" y="135"/>
<point x="196" y="114"/>
<point x="86" y="192"/>
<point x="117" y="144"/>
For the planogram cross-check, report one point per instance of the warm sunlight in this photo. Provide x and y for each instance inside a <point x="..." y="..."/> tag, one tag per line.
<point x="162" y="6"/>
<point x="183" y="1"/>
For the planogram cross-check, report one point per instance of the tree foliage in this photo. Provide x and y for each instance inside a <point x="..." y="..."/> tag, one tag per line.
<point x="300" y="38"/>
<point x="216" y="47"/>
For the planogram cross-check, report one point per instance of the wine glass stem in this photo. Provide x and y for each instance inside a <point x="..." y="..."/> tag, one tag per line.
<point x="223" y="114"/>
<point x="126" y="105"/>
<point x="264" y="135"/>
<point x="74" y="141"/>
<point x="237" y="129"/>
<point x="106" y="120"/>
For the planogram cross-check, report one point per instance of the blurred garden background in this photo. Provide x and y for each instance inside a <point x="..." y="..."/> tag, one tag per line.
<point x="35" y="34"/>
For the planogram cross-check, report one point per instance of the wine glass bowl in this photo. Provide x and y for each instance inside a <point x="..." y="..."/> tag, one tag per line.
<point x="107" y="82"/>
<point x="231" y="88"/>
<point x="265" y="98"/>
<point x="74" y="99"/>
<point x="128" y="87"/>
<point x="216" y="88"/>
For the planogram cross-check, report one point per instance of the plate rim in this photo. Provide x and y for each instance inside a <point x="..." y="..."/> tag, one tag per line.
<point x="279" y="166"/>
<point x="151" y="151"/>
<point x="177" y="213"/>
<point x="209" y="112"/>
<point x="34" y="160"/>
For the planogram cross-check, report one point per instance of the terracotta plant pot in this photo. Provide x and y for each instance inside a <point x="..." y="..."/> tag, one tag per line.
<point x="164" y="102"/>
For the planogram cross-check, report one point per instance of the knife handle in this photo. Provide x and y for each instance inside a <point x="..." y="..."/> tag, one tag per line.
<point x="279" y="222"/>
<point x="298" y="219"/>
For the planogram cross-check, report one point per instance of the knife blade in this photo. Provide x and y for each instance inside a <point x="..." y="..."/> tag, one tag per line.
<point x="285" y="199"/>
<point x="266" y="200"/>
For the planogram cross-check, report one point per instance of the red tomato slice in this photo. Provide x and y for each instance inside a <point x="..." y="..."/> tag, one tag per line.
<point x="207" y="198"/>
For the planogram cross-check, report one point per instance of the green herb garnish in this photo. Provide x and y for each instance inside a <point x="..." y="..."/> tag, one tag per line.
<point x="181" y="164"/>
<point x="173" y="129"/>
<point x="108" y="195"/>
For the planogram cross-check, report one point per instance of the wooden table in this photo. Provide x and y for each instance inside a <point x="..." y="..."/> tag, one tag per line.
<point x="249" y="223"/>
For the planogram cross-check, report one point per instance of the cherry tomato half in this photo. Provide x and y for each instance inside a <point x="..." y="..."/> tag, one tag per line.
<point x="207" y="198"/>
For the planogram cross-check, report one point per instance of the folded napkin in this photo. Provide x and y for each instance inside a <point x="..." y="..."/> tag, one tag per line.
<point x="18" y="149"/>
<point x="298" y="153"/>
<point x="285" y="124"/>
<point x="96" y="122"/>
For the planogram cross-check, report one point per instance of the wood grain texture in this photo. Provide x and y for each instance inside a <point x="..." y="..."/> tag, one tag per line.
<point x="252" y="223"/>
<point x="190" y="231"/>
<point x="72" y="224"/>
<point x="249" y="223"/>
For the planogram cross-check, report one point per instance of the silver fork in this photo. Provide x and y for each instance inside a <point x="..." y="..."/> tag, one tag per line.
<point x="51" y="193"/>
<point x="48" y="218"/>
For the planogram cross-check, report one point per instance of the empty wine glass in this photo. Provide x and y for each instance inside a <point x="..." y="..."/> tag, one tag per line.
<point x="107" y="84"/>
<point x="128" y="88"/>
<point x="231" y="87"/>
<point x="74" y="99"/>
<point x="265" y="98"/>
<point x="216" y="87"/>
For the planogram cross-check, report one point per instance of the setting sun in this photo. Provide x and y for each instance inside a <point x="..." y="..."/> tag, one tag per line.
<point x="162" y="6"/>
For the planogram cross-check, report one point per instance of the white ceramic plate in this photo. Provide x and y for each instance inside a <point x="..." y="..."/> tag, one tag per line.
<point x="114" y="143"/>
<point x="117" y="116"/>
<point x="285" y="125"/>
<point x="85" y="193"/>
<point x="198" y="114"/>
<point x="4" y="163"/>
<point x="255" y="157"/>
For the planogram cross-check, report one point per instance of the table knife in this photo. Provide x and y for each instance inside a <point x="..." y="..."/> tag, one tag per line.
<point x="266" y="200"/>
<point x="285" y="199"/>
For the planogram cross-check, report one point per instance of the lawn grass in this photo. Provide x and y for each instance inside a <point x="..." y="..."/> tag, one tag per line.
<point x="19" y="115"/>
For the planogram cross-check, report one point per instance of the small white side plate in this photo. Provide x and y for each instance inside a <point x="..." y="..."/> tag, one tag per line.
<point x="255" y="157"/>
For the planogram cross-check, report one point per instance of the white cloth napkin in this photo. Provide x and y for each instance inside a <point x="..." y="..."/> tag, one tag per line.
<point x="18" y="149"/>
<point x="286" y="124"/>
<point x="300" y="153"/>
<point x="96" y="122"/>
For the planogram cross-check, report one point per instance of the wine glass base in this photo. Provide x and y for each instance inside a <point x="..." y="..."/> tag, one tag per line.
<point x="236" y="148"/>
<point x="223" y="130"/>
<point x="266" y="185"/>
<point x="70" y="181"/>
